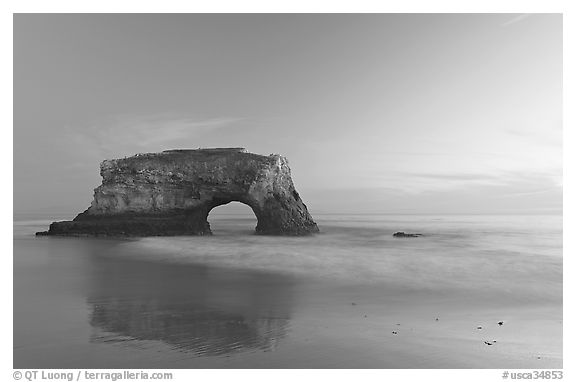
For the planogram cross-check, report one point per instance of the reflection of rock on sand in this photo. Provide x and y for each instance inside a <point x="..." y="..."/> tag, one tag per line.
<point x="185" y="328"/>
<point x="189" y="308"/>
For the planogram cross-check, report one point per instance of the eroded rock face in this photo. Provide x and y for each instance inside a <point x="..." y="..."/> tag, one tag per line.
<point x="172" y="193"/>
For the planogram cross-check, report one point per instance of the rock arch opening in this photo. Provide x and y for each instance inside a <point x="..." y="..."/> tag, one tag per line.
<point x="232" y="218"/>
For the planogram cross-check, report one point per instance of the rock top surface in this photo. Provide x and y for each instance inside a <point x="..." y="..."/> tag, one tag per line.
<point x="172" y="193"/>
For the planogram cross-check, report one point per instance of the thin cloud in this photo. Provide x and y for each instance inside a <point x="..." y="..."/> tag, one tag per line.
<point x="417" y="183"/>
<point x="455" y="176"/>
<point x="500" y="177"/>
<point x="531" y="193"/>
<point x="551" y="137"/>
<point x="123" y="135"/>
<point x="516" y="19"/>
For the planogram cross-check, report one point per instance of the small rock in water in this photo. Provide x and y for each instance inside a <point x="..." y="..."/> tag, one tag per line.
<point x="501" y="323"/>
<point x="479" y="328"/>
<point x="404" y="234"/>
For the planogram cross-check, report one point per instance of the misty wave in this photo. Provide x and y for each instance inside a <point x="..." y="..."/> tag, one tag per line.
<point x="492" y="254"/>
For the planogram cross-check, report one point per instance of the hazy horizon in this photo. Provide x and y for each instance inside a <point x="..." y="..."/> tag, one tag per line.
<point x="380" y="113"/>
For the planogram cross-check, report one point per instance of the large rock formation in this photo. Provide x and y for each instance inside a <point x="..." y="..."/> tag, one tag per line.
<point x="172" y="193"/>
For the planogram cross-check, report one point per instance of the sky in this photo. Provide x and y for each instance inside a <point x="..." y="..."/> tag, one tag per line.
<point x="376" y="113"/>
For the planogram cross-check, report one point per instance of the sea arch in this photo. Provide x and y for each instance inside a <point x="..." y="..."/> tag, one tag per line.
<point x="173" y="192"/>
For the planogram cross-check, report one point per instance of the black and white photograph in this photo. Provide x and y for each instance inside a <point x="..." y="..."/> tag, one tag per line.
<point x="288" y="191"/>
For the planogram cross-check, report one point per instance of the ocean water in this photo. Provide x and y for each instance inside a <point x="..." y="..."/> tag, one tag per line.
<point x="352" y="296"/>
